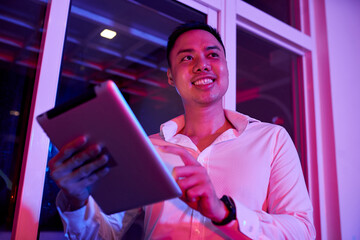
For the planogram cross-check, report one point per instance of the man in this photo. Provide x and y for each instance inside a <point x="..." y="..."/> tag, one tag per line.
<point x="240" y="178"/>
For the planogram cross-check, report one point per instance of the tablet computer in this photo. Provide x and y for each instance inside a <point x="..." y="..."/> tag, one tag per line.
<point x="137" y="174"/>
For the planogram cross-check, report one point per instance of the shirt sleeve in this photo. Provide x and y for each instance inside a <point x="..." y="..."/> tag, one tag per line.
<point x="89" y="222"/>
<point x="289" y="212"/>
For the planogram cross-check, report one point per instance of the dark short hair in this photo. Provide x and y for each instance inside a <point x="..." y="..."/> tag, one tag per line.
<point x="183" y="28"/>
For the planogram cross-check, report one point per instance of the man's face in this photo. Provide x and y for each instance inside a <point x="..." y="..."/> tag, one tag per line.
<point x="198" y="68"/>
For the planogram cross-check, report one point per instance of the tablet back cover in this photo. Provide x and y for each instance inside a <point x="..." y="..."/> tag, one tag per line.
<point x="138" y="176"/>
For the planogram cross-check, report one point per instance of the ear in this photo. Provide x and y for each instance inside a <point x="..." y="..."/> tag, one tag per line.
<point x="170" y="78"/>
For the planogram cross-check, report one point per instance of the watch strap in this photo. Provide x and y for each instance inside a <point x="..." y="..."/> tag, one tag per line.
<point x="230" y="205"/>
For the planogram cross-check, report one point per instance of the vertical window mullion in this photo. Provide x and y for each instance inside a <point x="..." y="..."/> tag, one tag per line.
<point x="28" y="202"/>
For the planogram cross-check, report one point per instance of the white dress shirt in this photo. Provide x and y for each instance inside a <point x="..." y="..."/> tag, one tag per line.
<point x="256" y="164"/>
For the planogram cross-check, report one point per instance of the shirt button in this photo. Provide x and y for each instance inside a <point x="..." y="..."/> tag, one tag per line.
<point x="197" y="231"/>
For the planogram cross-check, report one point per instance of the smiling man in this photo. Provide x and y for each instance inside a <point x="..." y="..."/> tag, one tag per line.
<point x="240" y="178"/>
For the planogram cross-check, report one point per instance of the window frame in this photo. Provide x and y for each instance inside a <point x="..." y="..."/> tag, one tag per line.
<point x="32" y="176"/>
<point x="309" y="42"/>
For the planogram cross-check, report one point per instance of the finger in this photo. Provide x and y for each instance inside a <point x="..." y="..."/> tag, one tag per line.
<point x="196" y="192"/>
<point x="192" y="195"/>
<point x="90" y="168"/>
<point x="186" y="183"/>
<point x="187" y="171"/>
<point x="76" y="182"/>
<point x="75" y="162"/>
<point x="87" y="155"/>
<point x="92" y="178"/>
<point x="186" y="157"/>
<point x="67" y="151"/>
<point x="189" y="200"/>
<point x="81" y="160"/>
<point x="98" y="175"/>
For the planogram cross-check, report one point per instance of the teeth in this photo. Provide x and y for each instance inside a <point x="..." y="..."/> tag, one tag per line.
<point x="203" y="81"/>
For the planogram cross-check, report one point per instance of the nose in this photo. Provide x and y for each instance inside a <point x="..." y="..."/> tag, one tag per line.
<point x="201" y="65"/>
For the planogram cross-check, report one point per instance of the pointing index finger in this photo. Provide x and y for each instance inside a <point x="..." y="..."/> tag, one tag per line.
<point x="185" y="156"/>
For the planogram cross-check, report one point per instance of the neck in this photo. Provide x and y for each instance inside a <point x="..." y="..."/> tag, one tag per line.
<point x="204" y="121"/>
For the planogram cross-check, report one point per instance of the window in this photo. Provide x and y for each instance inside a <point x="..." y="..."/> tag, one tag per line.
<point x="286" y="11"/>
<point x="135" y="59"/>
<point x="274" y="77"/>
<point x="268" y="85"/>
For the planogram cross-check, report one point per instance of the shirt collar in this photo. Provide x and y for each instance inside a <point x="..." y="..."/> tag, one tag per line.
<point x="240" y="121"/>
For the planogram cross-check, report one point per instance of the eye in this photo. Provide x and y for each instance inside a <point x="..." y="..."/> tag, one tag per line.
<point x="186" y="58"/>
<point x="213" y="55"/>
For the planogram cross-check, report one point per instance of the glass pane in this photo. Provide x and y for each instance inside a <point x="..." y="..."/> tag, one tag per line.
<point x="135" y="59"/>
<point x="21" y="25"/>
<point x="268" y="85"/>
<point x="286" y="11"/>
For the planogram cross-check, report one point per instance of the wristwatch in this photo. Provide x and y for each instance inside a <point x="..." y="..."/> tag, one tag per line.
<point x="230" y="205"/>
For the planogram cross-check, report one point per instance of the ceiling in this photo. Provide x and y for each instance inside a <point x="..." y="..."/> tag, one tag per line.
<point x="135" y="59"/>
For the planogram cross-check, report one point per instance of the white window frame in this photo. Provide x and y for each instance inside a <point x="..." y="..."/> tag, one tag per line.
<point x="321" y="162"/>
<point x="32" y="176"/>
<point x="226" y="16"/>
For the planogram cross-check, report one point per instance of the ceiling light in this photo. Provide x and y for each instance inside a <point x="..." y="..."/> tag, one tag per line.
<point x="14" y="113"/>
<point x="109" y="34"/>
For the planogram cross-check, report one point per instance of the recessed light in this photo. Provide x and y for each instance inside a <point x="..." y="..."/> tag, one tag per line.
<point x="107" y="33"/>
<point x="14" y="113"/>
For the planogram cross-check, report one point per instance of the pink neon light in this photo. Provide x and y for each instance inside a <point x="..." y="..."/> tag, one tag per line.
<point x="242" y="96"/>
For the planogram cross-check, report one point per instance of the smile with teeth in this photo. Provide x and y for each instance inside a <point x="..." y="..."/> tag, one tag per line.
<point x="204" y="81"/>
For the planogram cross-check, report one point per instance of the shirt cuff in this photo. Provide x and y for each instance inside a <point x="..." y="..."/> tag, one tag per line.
<point x="74" y="221"/>
<point x="247" y="222"/>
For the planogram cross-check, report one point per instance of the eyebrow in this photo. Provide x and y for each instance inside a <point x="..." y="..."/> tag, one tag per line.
<point x="191" y="50"/>
<point x="185" y="50"/>
<point x="213" y="47"/>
